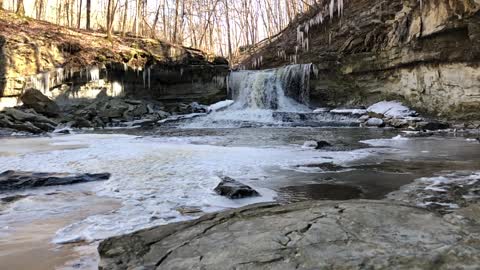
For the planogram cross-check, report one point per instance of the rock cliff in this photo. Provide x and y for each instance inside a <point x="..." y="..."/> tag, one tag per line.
<point x="66" y="64"/>
<point x="424" y="52"/>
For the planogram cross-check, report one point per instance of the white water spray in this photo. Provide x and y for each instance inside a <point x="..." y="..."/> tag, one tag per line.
<point x="285" y="89"/>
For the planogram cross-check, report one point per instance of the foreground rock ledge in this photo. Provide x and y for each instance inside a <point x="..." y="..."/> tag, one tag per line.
<point x="310" y="235"/>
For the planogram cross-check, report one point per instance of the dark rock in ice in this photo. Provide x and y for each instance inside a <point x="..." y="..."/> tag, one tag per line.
<point x="15" y="180"/>
<point x="322" y="144"/>
<point x="233" y="189"/>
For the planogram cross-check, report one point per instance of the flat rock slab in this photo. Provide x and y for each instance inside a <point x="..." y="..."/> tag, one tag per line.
<point x="16" y="180"/>
<point x="310" y="235"/>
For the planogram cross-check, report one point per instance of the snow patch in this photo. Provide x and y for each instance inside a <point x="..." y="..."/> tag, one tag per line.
<point x="220" y="105"/>
<point x="394" y="109"/>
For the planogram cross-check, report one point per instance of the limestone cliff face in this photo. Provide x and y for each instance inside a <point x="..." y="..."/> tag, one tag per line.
<point x="425" y="52"/>
<point x="62" y="61"/>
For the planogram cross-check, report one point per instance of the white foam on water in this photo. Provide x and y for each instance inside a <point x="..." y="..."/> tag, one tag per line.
<point x="154" y="177"/>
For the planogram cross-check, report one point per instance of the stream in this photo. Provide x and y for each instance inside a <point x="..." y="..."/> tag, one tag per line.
<point x="168" y="173"/>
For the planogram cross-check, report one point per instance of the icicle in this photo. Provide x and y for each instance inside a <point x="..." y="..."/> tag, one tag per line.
<point x="181" y="71"/>
<point x="60" y="76"/>
<point x="94" y="74"/>
<point x="149" y="77"/>
<point x="332" y="7"/>
<point x="144" y="78"/>
<point x="125" y="67"/>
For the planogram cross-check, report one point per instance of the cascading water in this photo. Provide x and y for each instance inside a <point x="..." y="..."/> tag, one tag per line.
<point x="258" y="95"/>
<point x="271" y="97"/>
<point x="283" y="89"/>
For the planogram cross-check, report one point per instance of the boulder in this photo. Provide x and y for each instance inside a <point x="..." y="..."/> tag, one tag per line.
<point x="375" y="122"/>
<point x="16" y="180"/>
<point x="310" y="235"/>
<point x="34" y="99"/>
<point x="316" y="145"/>
<point x="27" y="121"/>
<point x="322" y="144"/>
<point x="233" y="189"/>
<point x="113" y="108"/>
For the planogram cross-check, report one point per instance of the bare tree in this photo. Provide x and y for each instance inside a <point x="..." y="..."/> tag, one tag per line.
<point x="20" y="8"/>
<point x="79" y="18"/>
<point x="89" y="11"/>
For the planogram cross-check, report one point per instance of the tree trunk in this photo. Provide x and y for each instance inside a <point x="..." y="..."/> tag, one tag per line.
<point x="1" y="4"/>
<point x="109" y="19"/>
<point x="227" y="18"/>
<point x="125" y="14"/>
<point x="174" y="36"/>
<point x="21" y="8"/>
<point x="154" y="26"/>
<point x="89" y="9"/>
<point x="137" y="18"/>
<point x="79" y="19"/>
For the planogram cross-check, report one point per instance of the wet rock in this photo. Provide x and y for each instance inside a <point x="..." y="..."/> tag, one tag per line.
<point x="233" y="189"/>
<point x="399" y="123"/>
<point x="34" y="99"/>
<point x="189" y="210"/>
<point x="443" y="193"/>
<point x="15" y="180"/>
<point x="375" y="122"/>
<point x="113" y="108"/>
<point x="331" y="167"/>
<point x="364" y="118"/>
<point x="194" y="107"/>
<point x="309" y="235"/>
<point x="12" y="199"/>
<point x="322" y="144"/>
<point x="433" y="125"/>
<point x="28" y="121"/>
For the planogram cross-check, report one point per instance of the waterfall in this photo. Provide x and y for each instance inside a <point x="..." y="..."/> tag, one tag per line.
<point x="286" y="88"/>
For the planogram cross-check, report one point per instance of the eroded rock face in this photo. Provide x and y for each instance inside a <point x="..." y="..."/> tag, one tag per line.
<point x="15" y="180"/>
<point x="425" y="52"/>
<point x="310" y="235"/>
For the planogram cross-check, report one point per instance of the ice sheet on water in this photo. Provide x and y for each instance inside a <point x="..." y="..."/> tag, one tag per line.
<point x="153" y="177"/>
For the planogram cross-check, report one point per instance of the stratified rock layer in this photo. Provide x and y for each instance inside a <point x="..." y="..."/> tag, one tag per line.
<point x="310" y="235"/>
<point x="426" y="52"/>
